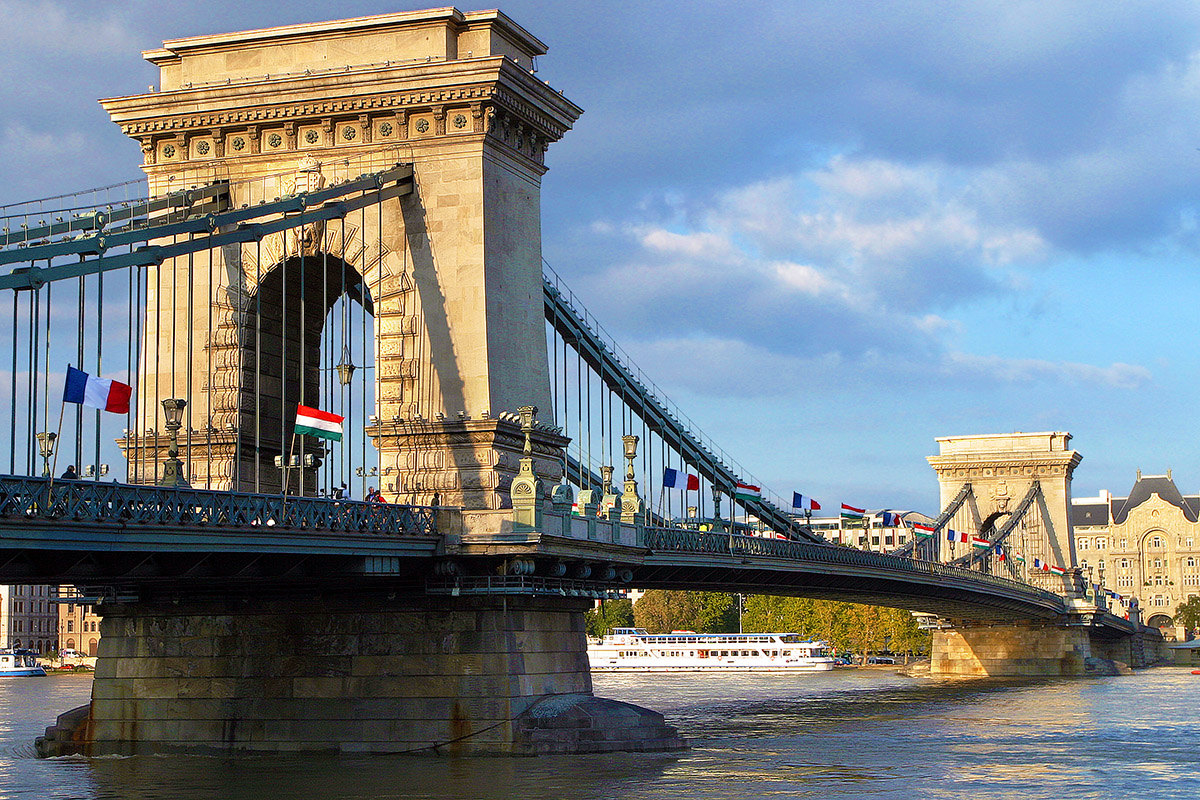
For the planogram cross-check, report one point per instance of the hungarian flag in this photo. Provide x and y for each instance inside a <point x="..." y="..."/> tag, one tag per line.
<point x="980" y="542"/>
<point x="93" y="392"/>
<point x="1057" y="570"/>
<point x="850" y="512"/>
<point x="923" y="531"/>
<point x="957" y="536"/>
<point x="675" y="479"/>
<point x="1018" y="557"/>
<point x="318" y="423"/>
<point x="804" y="503"/>
<point x="745" y="491"/>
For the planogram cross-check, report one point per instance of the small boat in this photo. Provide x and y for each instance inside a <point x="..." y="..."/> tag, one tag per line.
<point x="20" y="664"/>
<point x="635" y="650"/>
<point x="1196" y="672"/>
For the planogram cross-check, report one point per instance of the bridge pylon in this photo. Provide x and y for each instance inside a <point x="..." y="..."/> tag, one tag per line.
<point x="451" y="271"/>
<point x="1001" y="470"/>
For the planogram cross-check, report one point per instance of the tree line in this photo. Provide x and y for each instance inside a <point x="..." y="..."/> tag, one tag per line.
<point x="849" y="627"/>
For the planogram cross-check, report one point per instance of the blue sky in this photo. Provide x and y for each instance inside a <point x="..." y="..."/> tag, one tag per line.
<point x="831" y="231"/>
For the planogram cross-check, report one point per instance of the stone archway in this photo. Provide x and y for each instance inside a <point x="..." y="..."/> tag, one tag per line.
<point x="284" y="318"/>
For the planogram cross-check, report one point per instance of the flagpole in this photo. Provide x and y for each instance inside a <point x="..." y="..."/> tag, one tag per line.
<point x="62" y="408"/>
<point x="287" y="465"/>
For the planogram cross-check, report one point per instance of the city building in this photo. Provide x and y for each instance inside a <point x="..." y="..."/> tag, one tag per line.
<point x="869" y="533"/>
<point x="1144" y="546"/>
<point x="78" y="624"/>
<point x="28" y="618"/>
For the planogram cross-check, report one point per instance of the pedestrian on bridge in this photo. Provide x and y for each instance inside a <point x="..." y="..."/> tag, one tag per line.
<point x="70" y="474"/>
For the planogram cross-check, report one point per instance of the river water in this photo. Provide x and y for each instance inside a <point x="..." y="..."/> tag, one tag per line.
<point x="844" y="734"/>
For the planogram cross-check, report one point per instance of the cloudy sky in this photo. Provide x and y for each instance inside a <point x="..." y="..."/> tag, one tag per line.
<point x="831" y="231"/>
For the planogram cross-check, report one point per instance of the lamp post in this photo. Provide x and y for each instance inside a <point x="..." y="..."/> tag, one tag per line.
<point x="173" y="468"/>
<point x="345" y="368"/>
<point x="46" y="442"/>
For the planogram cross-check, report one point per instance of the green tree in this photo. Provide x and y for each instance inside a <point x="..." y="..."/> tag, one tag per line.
<point x="608" y="615"/>
<point x="1188" y="614"/>
<point x="847" y="626"/>
<point x="716" y="612"/>
<point x="661" y="611"/>
<point x="766" y="614"/>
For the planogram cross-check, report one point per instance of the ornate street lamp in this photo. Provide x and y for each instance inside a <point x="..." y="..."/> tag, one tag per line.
<point x="46" y="442"/>
<point x="345" y="368"/>
<point x="173" y="468"/>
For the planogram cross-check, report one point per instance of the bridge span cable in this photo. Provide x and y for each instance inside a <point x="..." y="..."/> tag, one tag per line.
<point x="85" y="234"/>
<point x="606" y="360"/>
<point x="1001" y="535"/>
<point x="930" y="547"/>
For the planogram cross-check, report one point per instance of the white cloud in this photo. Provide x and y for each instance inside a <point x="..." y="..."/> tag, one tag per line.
<point x="804" y="277"/>
<point x="1028" y="370"/>
<point x="856" y="270"/>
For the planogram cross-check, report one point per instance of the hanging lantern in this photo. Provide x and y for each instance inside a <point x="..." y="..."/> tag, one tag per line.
<point x="345" y="367"/>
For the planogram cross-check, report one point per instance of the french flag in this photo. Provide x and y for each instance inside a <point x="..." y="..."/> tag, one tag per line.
<point x="101" y="393"/>
<point x="804" y="503"/>
<point x="674" y="479"/>
<point x="957" y="536"/>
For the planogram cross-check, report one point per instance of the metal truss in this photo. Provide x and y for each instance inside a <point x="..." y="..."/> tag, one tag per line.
<point x="25" y="500"/>
<point x="522" y="585"/>
<point x="202" y="219"/>
<point x="668" y="540"/>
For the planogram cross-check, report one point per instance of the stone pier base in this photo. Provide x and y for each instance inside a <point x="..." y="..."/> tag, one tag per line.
<point x="446" y="676"/>
<point x="1023" y="649"/>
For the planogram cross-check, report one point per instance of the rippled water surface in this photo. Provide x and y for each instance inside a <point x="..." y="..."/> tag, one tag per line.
<point x="844" y="734"/>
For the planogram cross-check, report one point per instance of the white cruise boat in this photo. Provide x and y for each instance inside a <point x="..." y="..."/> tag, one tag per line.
<point x="20" y="664"/>
<point x="634" y="650"/>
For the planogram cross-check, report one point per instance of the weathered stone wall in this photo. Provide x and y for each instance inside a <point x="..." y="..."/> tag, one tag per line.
<point x="1014" y="649"/>
<point x="310" y="676"/>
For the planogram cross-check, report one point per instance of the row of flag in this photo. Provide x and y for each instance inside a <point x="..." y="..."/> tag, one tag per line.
<point x="113" y="396"/>
<point x="678" y="479"/>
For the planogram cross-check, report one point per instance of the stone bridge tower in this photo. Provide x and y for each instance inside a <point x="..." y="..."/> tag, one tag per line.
<point x="1000" y="469"/>
<point x="452" y="272"/>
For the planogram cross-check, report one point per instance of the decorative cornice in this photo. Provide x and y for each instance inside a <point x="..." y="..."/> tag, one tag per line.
<point x="491" y="97"/>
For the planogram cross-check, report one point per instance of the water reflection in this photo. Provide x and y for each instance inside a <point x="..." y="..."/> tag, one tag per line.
<point x="834" y="735"/>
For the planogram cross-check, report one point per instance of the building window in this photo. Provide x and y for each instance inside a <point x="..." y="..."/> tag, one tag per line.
<point x="70" y="626"/>
<point x="1101" y="543"/>
<point x="1124" y="544"/>
<point x="1191" y="561"/>
<point x="1158" y="563"/>
<point x="1124" y="580"/>
<point x="1124" y="563"/>
<point x="1083" y="544"/>
<point x="1158" y="580"/>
